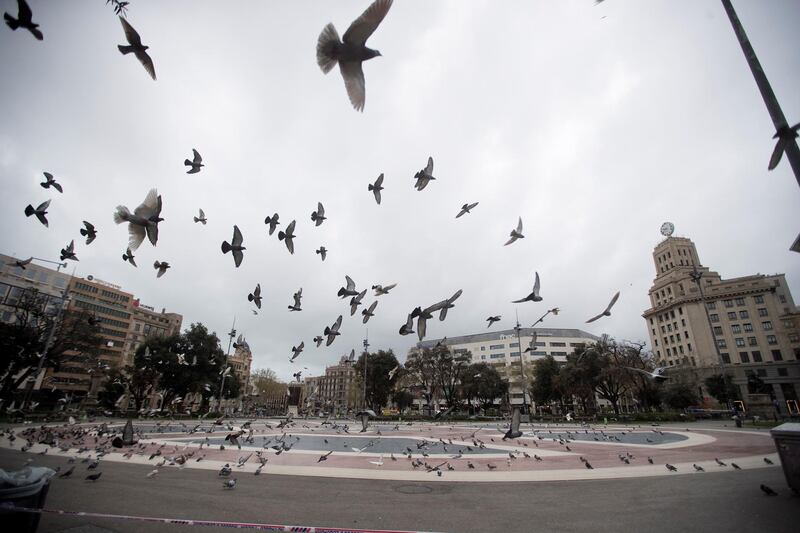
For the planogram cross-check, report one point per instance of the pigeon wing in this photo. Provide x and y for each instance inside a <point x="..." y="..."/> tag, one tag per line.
<point x="150" y="205"/>
<point x="237" y="257"/>
<point x="136" y="234"/>
<point x="361" y="28"/>
<point x="197" y="159"/>
<point x="351" y="285"/>
<point x="202" y="214"/>
<point x="337" y="324"/>
<point x="515" y="421"/>
<point x="519" y="225"/>
<point x="43" y="206"/>
<point x="612" y="302"/>
<point x="320" y="209"/>
<point x="536" y="285"/>
<point x="777" y="154"/>
<point x="422" y="327"/>
<point x="130" y="34"/>
<point x="152" y="233"/>
<point x="354" y="83"/>
<point x="429" y="167"/>
<point x="147" y="62"/>
<point x="237" y="237"/>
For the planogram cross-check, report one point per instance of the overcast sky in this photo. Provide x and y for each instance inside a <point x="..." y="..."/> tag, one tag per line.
<point x="595" y="124"/>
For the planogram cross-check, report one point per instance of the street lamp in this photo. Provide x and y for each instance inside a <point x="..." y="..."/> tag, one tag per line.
<point x="231" y="335"/>
<point x="366" y="355"/>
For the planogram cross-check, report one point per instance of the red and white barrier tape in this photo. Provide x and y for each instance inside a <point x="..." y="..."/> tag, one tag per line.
<point x="207" y="523"/>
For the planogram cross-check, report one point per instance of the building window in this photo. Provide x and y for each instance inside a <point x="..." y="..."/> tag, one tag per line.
<point x="725" y="358"/>
<point x="752" y="341"/>
<point x="717" y="330"/>
<point x="711" y="305"/>
<point x="744" y="357"/>
<point x="782" y="298"/>
<point x="771" y="339"/>
<point x="761" y="372"/>
<point x="732" y="316"/>
<point x="721" y="343"/>
<point x="767" y="325"/>
<point x="669" y="327"/>
<point x="714" y="317"/>
<point x="762" y="311"/>
<point x="497" y="346"/>
<point x="680" y="309"/>
<point x="483" y="348"/>
<point x="497" y="356"/>
<point x="739" y="301"/>
<point x="672" y="338"/>
<point x="680" y="349"/>
<point x="758" y="299"/>
<point x="776" y="355"/>
<point x="683" y="322"/>
<point x="748" y="328"/>
<point x="756" y="356"/>
<point x="655" y="341"/>
<point x="685" y="334"/>
<point x="794" y="337"/>
<point x="514" y="345"/>
<point x="689" y="346"/>
<point x="663" y="329"/>
<point x="783" y="372"/>
<point x="558" y="344"/>
<point x="728" y="303"/>
<point x="744" y="314"/>
<point x="736" y="328"/>
<point x="739" y="342"/>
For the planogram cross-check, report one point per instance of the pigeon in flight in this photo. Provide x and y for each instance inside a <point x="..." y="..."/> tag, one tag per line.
<point x="448" y="304"/>
<point x="69" y="252"/>
<point x="607" y="311"/>
<point x="533" y="296"/>
<point x="408" y="327"/>
<point x="235" y="246"/>
<point x="89" y="232"/>
<point x="22" y="263"/>
<point x="393" y="371"/>
<point x="355" y="301"/>
<point x="785" y="135"/>
<point x="288" y="236"/>
<point x="195" y="163"/>
<point x="376" y="188"/>
<point x="201" y="218"/>
<point x="466" y="208"/>
<point x="296" y="351"/>
<point x="50" y="181"/>
<point x="532" y="345"/>
<point x="318" y="216"/>
<point x="492" y="319"/>
<point x="656" y="375"/>
<point x="136" y="48"/>
<point x="255" y="296"/>
<point x="381" y="290"/>
<point x="350" y="290"/>
<point x="333" y="331"/>
<point x="424" y="176"/>
<point x="369" y="312"/>
<point x="516" y="233"/>
<point x="513" y="431"/>
<point x="24" y="20"/>
<point x="144" y="220"/>
<point x="40" y="212"/>
<point x="128" y="256"/>
<point x="318" y="339"/>
<point x="351" y="51"/>
<point x="424" y="314"/>
<point x="161" y="266"/>
<point x="272" y="222"/>
<point x="296" y="306"/>
<point x="323" y="252"/>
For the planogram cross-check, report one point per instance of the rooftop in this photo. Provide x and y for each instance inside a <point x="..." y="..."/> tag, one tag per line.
<point x="504" y="333"/>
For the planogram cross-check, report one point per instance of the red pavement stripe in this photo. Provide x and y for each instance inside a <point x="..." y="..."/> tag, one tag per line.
<point x="207" y="523"/>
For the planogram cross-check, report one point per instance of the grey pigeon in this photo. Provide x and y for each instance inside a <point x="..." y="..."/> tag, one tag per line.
<point x="449" y="304"/>
<point x="161" y="266"/>
<point x="516" y="233"/>
<point x="50" y="181"/>
<point x="235" y="246"/>
<point x="296" y="351"/>
<point x="333" y="331"/>
<point x="136" y="48"/>
<point x="533" y="296"/>
<point x="492" y="319"/>
<point x="355" y="301"/>
<point x="656" y="375"/>
<point x="318" y="216"/>
<point x="196" y="163"/>
<point x="94" y="477"/>
<point x="69" y="252"/>
<point x="323" y="252"/>
<point x="424" y="176"/>
<point x="768" y="461"/>
<point x="466" y="208"/>
<point x="22" y="263"/>
<point x="367" y="313"/>
<point x="318" y="339"/>
<point x="229" y="483"/>
<point x="288" y="237"/>
<point x="351" y="51"/>
<point x="424" y="314"/>
<point x="40" y="212"/>
<point x="201" y="218"/>
<point x="408" y="327"/>
<point x="376" y="188"/>
<point x="785" y="135"/>
<point x="380" y="290"/>
<point x="671" y="468"/>
<point x="128" y="256"/>
<point x="297" y="296"/>
<point x="89" y="232"/>
<point x="513" y="430"/>
<point x="24" y="20"/>
<point x="607" y="311"/>
<point x="768" y="491"/>
<point x="255" y="296"/>
<point x="143" y="221"/>
<point x="272" y="222"/>
<point x="349" y="290"/>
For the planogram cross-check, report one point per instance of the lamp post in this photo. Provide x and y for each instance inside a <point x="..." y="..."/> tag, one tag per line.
<point x="231" y="335"/>
<point x="366" y="356"/>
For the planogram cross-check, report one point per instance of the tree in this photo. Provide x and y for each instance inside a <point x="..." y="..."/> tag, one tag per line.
<point x="483" y="382"/>
<point x="422" y="368"/>
<point x="449" y="370"/>
<point x="378" y="384"/>
<point x="545" y="387"/>
<point x="679" y="395"/>
<point x="576" y="380"/>
<point x="603" y="365"/>
<point x="721" y="388"/>
<point x="403" y="399"/>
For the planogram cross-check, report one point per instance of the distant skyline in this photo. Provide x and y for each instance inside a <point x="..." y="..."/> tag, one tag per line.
<point x="594" y="124"/>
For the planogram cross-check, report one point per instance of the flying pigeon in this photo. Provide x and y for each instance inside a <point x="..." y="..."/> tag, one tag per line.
<point x="365" y="416"/>
<point x="351" y="51"/>
<point x="516" y="233"/>
<point x="235" y="246"/>
<point x="656" y="375"/>
<point x="201" y="218"/>
<point x="40" y="212"/>
<point x="533" y="296"/>
<point x="393" y="371"/>
<point x="296" y="351"/>
<point x="381" y="290"/>
<point x="288" y="236"/>
<point x="128" y="256"/>
<point x="69" y="252"/>
<point x="449" y="304"/>
<point x="272" y="222"/>
<point x="785" y="135"/>
<point x="513" y="431"/>
<point x="255" y="296"/>
<point x="297" y="375"/>
<point x="532" y="345"/>
<point x="25" y="20"/>
<point x="144" y="220"/>
<point x="408" y="327"/>
<point x="350" y="290"/>
<point x="89" y="232"/>
<point x="161" y="266"/>
<point x="355" y="301"/>
<point x="466" y="208"/>
<point x="424" y="176"/>
<point x="195" y="163"/>
<point x="376" y="188"/>
<point x="369" y="312"/>
<point x="318" y="339"/>
<point x="318" y="216"/>
<point x="297" y="296"/>
<point x="607" y="311"/>
<point x="323" y="252"/>
<point x="22" y="263"/>
<point x="492" y="319"/>
<point x="51" y="182"/>
<point x="137" y="48"/>
<point x="333" y="331"/>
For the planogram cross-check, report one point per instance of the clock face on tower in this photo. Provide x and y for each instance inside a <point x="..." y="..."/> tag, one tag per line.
<point x="667" y="228"/>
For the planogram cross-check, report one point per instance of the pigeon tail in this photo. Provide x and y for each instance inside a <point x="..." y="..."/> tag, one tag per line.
<point x="225" y="247"/>
<point x="29" y="210"/>
<point x="281" y="235"/>
<point x="187" y="162"/>
<point x="126" y="49"/>
<point x="327" y="48"/>
<point x="122" y="214"/>
<point x="14" y="23"/>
